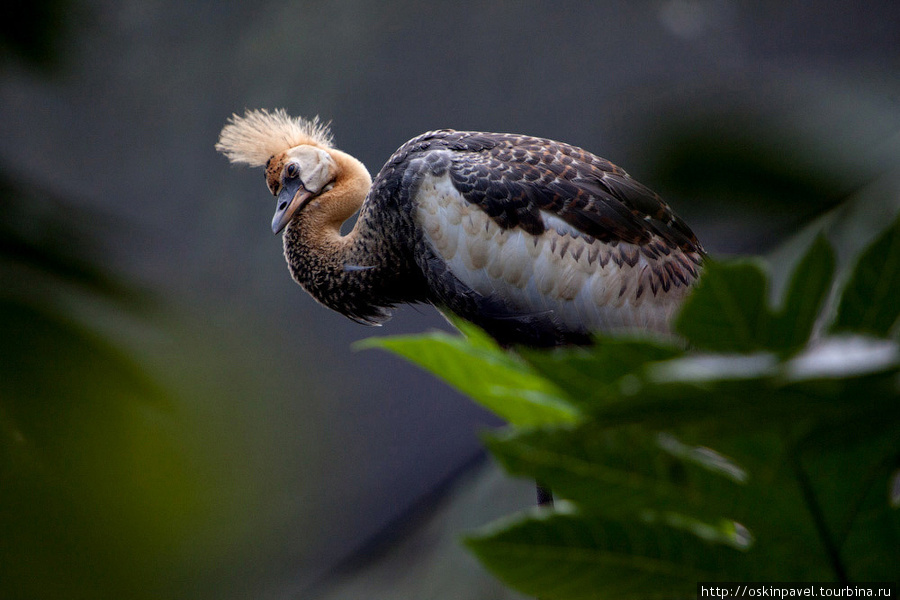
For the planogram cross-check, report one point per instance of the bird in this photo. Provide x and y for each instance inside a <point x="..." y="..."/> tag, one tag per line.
<point x="537" y="242"/>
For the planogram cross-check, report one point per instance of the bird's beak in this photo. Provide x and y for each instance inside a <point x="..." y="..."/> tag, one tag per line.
<point x="292" y="197"/>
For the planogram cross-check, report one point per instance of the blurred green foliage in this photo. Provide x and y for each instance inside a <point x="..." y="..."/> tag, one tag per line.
<point x="768" y="450"/>
<point x="99" y="495"/>
<point x="96" y="488"/>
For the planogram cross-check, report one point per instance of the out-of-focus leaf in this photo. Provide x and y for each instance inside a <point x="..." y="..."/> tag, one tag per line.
<point x="94" y="473"/>
<point x="40" y="249"/>
<point x="871" y="299"/>
<point x="576" y="556"/>
<point x="54" y="353"/>
<point x="727" y="312"/>
<point x="626" y="471"/>
<point x="587" y="374"/>
<point x="488" y="374"/>
<point x="806" y="294"/>
<point x="856" y="506"/>
<point x="758" y="442"/>
<point x="745" y="393"/>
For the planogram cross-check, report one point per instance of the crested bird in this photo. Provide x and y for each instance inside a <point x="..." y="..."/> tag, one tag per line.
<point x="537" y="242"/>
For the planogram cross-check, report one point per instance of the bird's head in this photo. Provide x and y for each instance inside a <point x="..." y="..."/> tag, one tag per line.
<point x="295" y="177"/>
<point x="301" y="163"/>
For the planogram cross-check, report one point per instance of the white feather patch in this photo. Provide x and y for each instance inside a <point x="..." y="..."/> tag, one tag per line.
<point x="537" y="274"/>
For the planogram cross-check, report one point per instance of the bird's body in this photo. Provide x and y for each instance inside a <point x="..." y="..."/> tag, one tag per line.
<point x="538" y="242"/>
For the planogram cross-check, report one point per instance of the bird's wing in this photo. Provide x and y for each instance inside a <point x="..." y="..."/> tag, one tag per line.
<point x="515" y="178"/>
<point x="524" y="235"/>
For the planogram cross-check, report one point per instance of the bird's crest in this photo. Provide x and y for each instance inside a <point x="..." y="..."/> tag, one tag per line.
<point x="260" y="134"/>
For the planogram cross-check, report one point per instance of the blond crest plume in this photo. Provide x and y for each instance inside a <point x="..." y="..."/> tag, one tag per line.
<point x="260" y="134"/>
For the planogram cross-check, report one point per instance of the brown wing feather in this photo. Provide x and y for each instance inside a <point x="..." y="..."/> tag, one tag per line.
<point x="513" y="178"/>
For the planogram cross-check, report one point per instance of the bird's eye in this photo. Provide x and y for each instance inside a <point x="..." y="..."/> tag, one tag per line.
<point x="292" y="170"/>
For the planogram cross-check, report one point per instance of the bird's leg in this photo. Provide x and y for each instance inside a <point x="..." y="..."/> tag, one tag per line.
<point x="544" y="496"/>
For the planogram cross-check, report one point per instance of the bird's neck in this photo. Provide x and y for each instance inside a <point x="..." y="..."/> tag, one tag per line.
<point x="357" y="273"/>
<point x="325" y="214"/>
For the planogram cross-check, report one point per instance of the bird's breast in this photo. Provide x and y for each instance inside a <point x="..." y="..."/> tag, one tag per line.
<point x="578" y="282"/>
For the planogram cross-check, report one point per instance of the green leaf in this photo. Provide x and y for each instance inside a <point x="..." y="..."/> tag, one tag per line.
<point x="94" y="463"/>
<point x="40" y="248"/>
<point x="741" y="495"/>
<point x="626" y="471"/>
<point x="491" y="376"/>
<point x="762" y="415"/>
<point x="856" y="507"/>
<point x="823" y="385"/>
<point x="577" y="557"/>
<point x="589" y="374"/>
<point x="68" y="368"/>
<point x="571" y="555"/>
<point x="871" y="299"/>
<point x="807" y="291"/>
<point x="727" y="312"/>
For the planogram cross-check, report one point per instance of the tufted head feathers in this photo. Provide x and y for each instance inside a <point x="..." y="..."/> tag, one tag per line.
<point x="260" y="134"/>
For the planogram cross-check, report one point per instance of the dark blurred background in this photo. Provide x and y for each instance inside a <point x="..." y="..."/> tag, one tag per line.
<point x="179" y="420"/>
